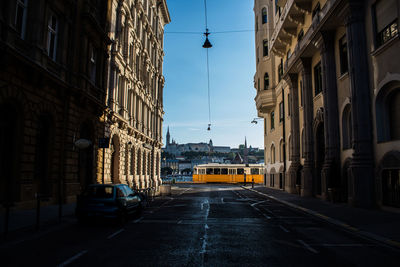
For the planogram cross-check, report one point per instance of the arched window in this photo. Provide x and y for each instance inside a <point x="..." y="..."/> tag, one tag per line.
<point x="281" y="150"/>
<point x="266" y="81"/>
<point x="265" y="48"/>
<point x="387" y="113"/>
<point x="272" y="153"/>
<point x="394" y="114"/>
<point x="264" y="15"/>
<point x="132" y="170"/>
<point x="346" y="127"/>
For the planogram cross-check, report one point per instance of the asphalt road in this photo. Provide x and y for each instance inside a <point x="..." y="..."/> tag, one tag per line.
<point x="202" y="225"/>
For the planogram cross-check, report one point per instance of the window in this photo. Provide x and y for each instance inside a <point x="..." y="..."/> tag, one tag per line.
<point x="272" y="120"/>
<point x="386" y="25"/>
<point x="224" y="171"/>
<point x="264" y="15"/>
<point x="240" y="171"/>
<point x="316" y="10"/>
<point x="265" y="48"/>
<point x="280" y="70"/>
<point x="52" y="28"/>
<point x="318" y="78"/>
<point x="266" y="81"/>
<point x="254" y="171"/>
<point x="281" y="150"/>
<point x="346" y="128"/>
<point x="217" y="171"/>
<point x="281" y="112"/>
<point x="344" y="67"/>
<point x="300" y="35"/>
<point x="20" y="17"/>
<point x="210" y="171"/>
<point x="92" y="64"/>
<point x="272" y="154"/>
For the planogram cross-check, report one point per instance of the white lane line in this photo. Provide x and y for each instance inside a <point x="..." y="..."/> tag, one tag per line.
<point x="284" y="229"/>
<point x="222" y="200"/>
<point x="345" y="245"/>
<point x="70" y="260"/>
<point x="138" y="220"/>
<point x="180" y="221"/>
<point x="116" y="233"/>
<point x="259" y="202"/>
<point x="307" y="246"/>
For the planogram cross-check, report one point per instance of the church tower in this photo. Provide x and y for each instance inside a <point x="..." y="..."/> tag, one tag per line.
<point x="168" y="137"/>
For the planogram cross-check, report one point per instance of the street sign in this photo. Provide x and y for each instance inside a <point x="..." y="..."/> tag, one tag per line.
<point x="104" y="142"/>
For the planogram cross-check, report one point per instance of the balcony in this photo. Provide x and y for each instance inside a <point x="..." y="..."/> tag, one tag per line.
<point x="265" y="100"/>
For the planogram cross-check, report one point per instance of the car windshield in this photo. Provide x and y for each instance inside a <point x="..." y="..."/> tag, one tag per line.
<point x="99" y="192"/>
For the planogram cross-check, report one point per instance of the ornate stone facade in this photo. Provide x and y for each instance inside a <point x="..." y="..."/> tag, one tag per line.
<point x="52" y="93"/>
<point x="328" y="88"/>
<point x="133" y="121"/>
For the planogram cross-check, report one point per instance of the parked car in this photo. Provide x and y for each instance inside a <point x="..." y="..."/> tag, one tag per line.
<point x="114" y="201"/>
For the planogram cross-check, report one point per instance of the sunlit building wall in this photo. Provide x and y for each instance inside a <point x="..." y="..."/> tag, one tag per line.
<point x="135" y="92"/>
<point x="331" y="108"/>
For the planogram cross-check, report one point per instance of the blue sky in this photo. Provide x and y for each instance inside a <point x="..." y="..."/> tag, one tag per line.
<point x="232" y="67"/>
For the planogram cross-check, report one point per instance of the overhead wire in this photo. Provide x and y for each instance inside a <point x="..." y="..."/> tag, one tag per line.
<point x="208" y="69"/>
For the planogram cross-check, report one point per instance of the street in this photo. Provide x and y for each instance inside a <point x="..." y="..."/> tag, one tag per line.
<point x="203" y="225"/>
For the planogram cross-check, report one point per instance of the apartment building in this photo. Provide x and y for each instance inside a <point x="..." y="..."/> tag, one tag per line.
<point x="52" y="93"/>
<point x="328" y="88"/>
<point x="133" y="121"/>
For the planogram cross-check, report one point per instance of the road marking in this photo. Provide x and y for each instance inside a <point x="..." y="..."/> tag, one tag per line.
<point x="138" y="220"/>
<point x="284" y="229"/>
<point x="307" y="246"/>
<point x="259" y="202"/>
<point x="116" y="233"/>
<point x="179" y="222"/>
<point x="344" y="245"/>
<point x="222" y="200"/>
<point x="70" y="260"/>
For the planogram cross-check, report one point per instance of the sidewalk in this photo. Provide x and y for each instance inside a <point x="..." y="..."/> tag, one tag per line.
<point x="26" y="219"/>
<point x="377" y="225"/>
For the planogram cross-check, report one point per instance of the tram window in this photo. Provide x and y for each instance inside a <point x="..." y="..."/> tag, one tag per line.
<point x="210" y="171"/>
<point x="224" y="171"/>
<point x="195" y="171"/>
<point x="232" y="171"/>
<point x="203" y="171"/>
<point x="254" y="171"/>
<point x="217" y="171"/>
<point x="240" y="171"/>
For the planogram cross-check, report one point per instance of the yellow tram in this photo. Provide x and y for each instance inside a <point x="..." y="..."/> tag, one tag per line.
<point x="228" y="173"/>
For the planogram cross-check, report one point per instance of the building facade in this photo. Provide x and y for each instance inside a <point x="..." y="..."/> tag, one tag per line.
<point x="328" y="88"/>
<point x="52" y="92"/>
<point x="133" y="121"/>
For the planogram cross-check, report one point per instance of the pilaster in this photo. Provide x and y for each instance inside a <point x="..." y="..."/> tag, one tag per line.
<point x="361" y="167"/>
<point x="307" y="172"/>
<point x="331" y="163"/>
<point x="291" y="175"/>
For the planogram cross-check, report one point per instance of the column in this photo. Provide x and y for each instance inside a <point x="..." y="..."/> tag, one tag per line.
<point x="291" y="175"/>
<point x="361" y="166"/>
<point x="330" y="171"/>
<point x="307" y="172"/>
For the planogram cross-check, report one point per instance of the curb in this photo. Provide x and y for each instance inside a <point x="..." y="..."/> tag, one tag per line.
<point x="360" y="233"/>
